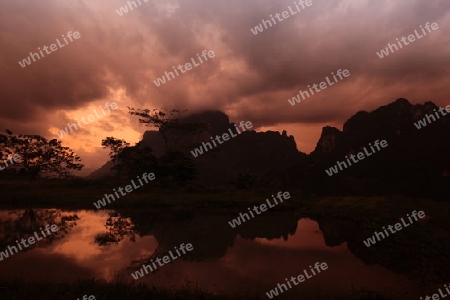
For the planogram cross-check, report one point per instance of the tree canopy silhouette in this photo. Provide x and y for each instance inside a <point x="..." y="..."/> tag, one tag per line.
<point x="169" y="125"/>
<point x="39" y="155"/>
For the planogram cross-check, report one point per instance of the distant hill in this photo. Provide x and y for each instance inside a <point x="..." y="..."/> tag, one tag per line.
<point x="103" y="171"/>
<point x="416" y="161"/>
<point x="254" y="152"/>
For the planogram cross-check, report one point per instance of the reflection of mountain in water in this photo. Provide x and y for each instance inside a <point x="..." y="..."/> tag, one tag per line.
<point x="399" y="253"/>
<point x="212" y="236"/>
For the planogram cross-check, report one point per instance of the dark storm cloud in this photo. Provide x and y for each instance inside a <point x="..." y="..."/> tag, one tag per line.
<point x="251" y="77"/>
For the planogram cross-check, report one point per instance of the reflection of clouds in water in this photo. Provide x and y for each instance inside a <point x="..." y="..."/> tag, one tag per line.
<point x="78" y="245"/>
<point x="39" y="264"/>
<point x="105" y="260"/>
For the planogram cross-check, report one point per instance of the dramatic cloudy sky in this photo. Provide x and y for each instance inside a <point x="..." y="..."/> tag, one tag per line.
<point x="252" y="76"/>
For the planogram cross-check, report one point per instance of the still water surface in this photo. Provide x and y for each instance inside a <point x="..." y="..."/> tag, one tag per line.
<point x="104" y="245"/>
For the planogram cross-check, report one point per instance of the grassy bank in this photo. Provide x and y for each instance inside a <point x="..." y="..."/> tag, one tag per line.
<point x="22" y="290"/>
<point x="81" y="194"/>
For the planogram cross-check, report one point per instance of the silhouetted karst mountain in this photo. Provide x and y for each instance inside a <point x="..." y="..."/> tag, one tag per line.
<point x="414" y="161"/>
<point x="155" y="141"/>
<point x="218" y="124"/>
<point x="252" y="152"/>
<point x="217" y="120"/>
<point x="327" y="142"/>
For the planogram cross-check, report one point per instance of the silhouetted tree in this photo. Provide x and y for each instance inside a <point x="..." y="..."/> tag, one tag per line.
<point x="39" y="155"/>
<point x="137" y="160"/>
<point x="177" y="167"/>
<point x="174" y="164"/>
<point x="116" y="146"/>
<point x="168" y="124"/>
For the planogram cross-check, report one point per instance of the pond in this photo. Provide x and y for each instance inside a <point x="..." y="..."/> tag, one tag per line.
<point x="253" y="258"/>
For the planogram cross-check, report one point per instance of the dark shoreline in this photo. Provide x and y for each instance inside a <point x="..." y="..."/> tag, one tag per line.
<point x="420" y="252"/>
<point x="102" y="290"/>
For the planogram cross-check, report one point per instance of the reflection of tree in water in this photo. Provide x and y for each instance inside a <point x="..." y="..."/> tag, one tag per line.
<point x="21" y="224"/>
<point x="119" y="227"/>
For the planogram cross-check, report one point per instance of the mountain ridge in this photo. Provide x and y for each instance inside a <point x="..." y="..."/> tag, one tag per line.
<point x="277" y="154"/>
